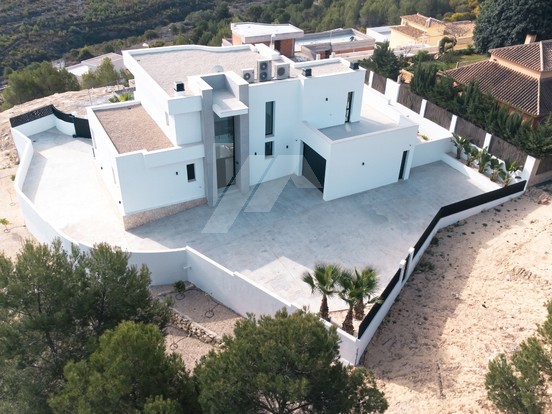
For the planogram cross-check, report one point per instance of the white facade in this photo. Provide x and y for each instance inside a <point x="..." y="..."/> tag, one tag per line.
<point x="215" y="128"/>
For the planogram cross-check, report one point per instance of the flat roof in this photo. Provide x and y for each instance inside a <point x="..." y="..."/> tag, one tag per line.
<point x="257" y="32"/>
<point x="130" y="128"/>
<point x="355" y="129"/>
<point x="166" y="65"/>
<point x="97" y="61"/>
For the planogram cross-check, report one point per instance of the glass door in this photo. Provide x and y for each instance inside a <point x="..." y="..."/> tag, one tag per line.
<point x="224" y="151"/>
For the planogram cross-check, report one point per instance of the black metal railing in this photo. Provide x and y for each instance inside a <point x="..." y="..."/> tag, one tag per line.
<point x="82" y="126"/>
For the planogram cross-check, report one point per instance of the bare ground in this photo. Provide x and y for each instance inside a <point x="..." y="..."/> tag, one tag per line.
<point x="481" y="291"/>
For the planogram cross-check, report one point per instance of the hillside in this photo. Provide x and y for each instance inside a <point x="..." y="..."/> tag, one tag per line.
<point x="37" y="30"/>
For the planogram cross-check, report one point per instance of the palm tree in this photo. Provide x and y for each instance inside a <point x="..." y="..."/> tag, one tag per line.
<point x="496" y="166"/>
<point x="460" y="143"/>
<point x="367" y="280"/>
<point x="323" y="280"/>
<point x="483" y="158"/>
<point x="510" y="167"/>
<point x="354" y="289"/>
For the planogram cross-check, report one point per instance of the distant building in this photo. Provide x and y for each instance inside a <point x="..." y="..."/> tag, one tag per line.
<point x="519" y="77"/>
<point x="280" y="37"/>
<point x="416" y="29"/>
<point x="93" y="63"/>
<point x="291" y="41"/>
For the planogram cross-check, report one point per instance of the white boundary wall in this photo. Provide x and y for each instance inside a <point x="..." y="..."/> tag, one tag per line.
<point x="230" y="288"/>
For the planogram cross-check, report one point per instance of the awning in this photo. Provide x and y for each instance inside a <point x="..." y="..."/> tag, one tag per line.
<point x="225" y="104"/>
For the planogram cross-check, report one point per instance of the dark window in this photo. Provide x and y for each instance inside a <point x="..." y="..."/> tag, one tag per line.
<point x="269" y="149"/>
<point x="348" y="107"/>
<point x="269" y="122"/>
<point x="190" y="170"/>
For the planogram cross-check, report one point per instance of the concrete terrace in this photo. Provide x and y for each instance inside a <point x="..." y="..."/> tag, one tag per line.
<point x="272" y="235"/>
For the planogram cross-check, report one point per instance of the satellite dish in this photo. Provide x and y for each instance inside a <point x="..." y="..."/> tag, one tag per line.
<point x="217" y="69"/>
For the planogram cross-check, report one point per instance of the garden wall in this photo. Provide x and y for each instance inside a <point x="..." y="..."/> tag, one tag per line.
<point x="409" y="99"/>
<point x="506" y="151"/>
<point x="438" y="115"/>
<point x="467" y="129"/>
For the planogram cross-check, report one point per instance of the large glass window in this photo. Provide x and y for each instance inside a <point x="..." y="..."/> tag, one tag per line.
<point x="269" y="120"/>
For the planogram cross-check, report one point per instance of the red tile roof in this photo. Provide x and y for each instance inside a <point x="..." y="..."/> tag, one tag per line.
<point x="513" y="88"/>
<point x="535" y="56"/>
<point x="409" y="31"/>
<point x="422" y="20"/>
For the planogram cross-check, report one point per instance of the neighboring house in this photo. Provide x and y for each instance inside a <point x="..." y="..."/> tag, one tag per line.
<point x="290" y="40"/>
<point x="280" y="37"/>
<point x="519" y="77"/>
<point x="93" y="63"/>
<point x="209" y="119"/>
<point x="416" y="29"/>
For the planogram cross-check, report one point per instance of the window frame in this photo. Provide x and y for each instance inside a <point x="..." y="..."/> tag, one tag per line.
<point x="190" y="172"/>
<point x="269" y="118"/>
<point x="269" y="149"/>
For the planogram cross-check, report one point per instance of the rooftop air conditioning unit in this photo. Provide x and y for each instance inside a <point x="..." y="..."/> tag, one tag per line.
<point x="282" y="70"/>
<point x="307" y="72"/>
<point x="264" y="70"/>
<point x="248" y="75"/>
<point x="178" y="87"/>
<point x="354" y="65"/>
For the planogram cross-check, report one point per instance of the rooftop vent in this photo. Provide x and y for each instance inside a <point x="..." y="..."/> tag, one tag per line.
<point x="307" y="72"/>
<point x="178" y="87"/>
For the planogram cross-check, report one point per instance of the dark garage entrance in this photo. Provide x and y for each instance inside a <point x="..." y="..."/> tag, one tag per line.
<point x="314" y="167"/>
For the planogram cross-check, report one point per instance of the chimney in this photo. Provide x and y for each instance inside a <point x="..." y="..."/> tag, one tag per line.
<point x="530" y="38"/>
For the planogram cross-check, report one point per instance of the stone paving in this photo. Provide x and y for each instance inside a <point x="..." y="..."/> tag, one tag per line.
<point x="271" y="235"/>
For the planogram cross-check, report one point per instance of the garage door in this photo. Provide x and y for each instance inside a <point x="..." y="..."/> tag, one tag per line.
<point x="314" y="167"/>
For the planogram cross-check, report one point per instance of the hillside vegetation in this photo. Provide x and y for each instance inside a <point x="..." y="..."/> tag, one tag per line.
<point x="37" y="30"/>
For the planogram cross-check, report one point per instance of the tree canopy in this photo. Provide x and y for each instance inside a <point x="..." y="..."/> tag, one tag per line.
<point x="54" y="305"/>
<point x="37" y="81"/>
<point x="104" y="75"/>
<point x="505" y="22"/>
<point x="284" y="364"/>
<point x="522" y="383"/>
<point x="129" y="372"/>
<point x="383" y="61"/>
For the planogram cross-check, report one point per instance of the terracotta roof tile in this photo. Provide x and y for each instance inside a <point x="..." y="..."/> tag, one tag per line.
<point x="520" y="91"/>
<point x="422" y="20"/>
<point x="460" y="29"/>
<point x="535" y="56"/>
<point x="409" y="31"/>
<point x="415" y="18"/>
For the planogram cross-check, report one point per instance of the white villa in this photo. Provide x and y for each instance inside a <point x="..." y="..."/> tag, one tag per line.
<point x="210" y="122"/>
<point x="209" y="118"/>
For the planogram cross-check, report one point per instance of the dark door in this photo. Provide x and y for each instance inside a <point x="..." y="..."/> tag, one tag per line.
<point x="314" y="167"/>
<point x="403" y="164"/>
<point x="82" y="128"/>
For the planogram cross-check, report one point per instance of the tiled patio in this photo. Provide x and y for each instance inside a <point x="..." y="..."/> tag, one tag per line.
<point x="271" y="235"/>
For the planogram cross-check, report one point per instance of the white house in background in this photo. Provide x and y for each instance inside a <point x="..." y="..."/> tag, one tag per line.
<point x="210" y="118"/>
<point x="90" y="65"/>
